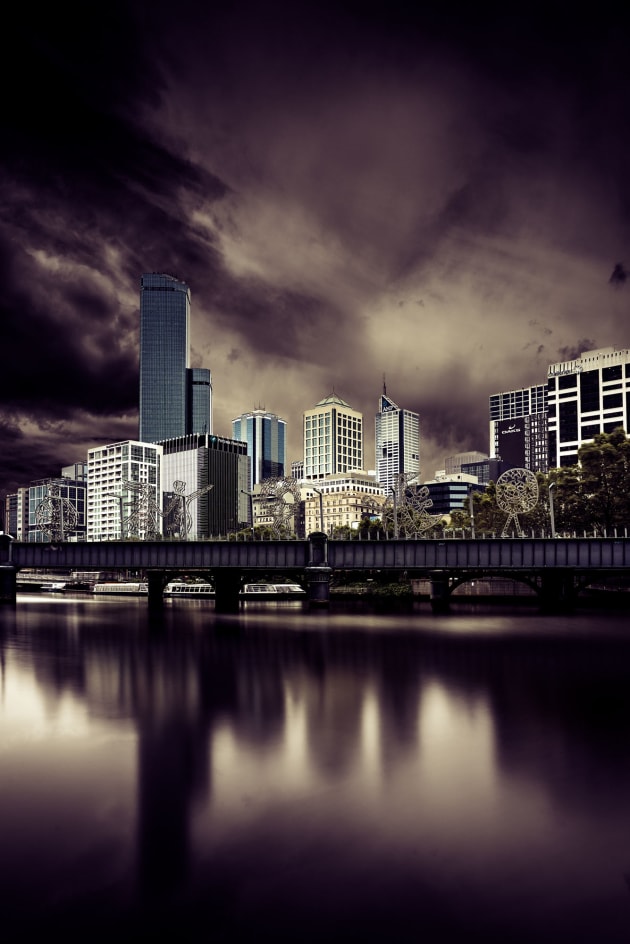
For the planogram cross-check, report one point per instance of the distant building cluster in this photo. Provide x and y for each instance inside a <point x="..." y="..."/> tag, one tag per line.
<point x="179" y="480"/>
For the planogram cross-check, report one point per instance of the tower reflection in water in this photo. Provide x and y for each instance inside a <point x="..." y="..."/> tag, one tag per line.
<point x="310" y="772"/>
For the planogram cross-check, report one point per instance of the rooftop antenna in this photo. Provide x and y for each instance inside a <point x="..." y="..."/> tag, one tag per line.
<point x="384" y="387"/>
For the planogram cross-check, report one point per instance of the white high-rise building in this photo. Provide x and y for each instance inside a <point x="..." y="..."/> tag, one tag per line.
<point x="586" y="396"/>
<point x="124" y="491"/>
<point x="397" y="442"/>
<point x="333" y="438"/>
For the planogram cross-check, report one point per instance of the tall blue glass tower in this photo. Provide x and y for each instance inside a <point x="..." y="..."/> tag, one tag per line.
<point x="164" y="327"/>
<point x="265" y="435"/>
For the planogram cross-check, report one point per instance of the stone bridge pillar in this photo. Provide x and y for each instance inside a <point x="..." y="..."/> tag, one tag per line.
<point x="156" y="580"/>
<point x="440" y="592"/>
<point x="227" y="586"/>
<point x="318" y="571"/>
<point x="8" y="571"/>
<point x="557" y="591"/>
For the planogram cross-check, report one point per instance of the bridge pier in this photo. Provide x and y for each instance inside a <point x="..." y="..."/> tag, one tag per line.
<point x="318" y="571"/>
<point x="156" y="580"/>
<point x="8" y="574"/>
<point x="227" y="586"/>
<point x="440" y="596"/>
<point x="557" y="591"/>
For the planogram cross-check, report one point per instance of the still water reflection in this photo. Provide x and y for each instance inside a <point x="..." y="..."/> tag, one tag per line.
<point x="313" y="776"/>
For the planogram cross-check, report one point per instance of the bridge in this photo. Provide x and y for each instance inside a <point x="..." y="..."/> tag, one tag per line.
<point x="556" y="568"/>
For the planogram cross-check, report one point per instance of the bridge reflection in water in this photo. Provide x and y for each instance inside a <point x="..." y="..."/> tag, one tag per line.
<point x="555" y="568"/>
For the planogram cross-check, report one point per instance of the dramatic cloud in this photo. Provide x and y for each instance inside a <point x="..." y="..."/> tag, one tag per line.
<point x="351" y="190"/>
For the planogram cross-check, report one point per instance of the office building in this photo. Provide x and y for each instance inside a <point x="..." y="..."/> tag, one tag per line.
<point x="586" y="396"/>
<point x="265" y="435"/>
<point x="175" y="400"/>
<point x="333" y="438"/>
<point x="397" y="442"/>
<point x="56" y="509"/>
<point x="484" y="470"/>
<point x="199" y="401"/>
<point x="518" y="428"/>
<point x="124" y="491"/>
<point x="341" y="500"/>
<point x="190" y="464"/>
<point x="16" y="514"/>
<point x="76" y="471"/>
<point x="450" y="492"/>
<point x="453" y="464"/>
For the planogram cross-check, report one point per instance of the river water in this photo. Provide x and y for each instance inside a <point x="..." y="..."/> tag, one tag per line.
<point x="296" y="776"/>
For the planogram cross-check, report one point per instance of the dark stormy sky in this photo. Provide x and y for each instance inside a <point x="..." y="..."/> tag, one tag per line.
<point x="437" y="193"/>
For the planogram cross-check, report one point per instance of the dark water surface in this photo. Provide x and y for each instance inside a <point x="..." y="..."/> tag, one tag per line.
<point x="292" y="776"/>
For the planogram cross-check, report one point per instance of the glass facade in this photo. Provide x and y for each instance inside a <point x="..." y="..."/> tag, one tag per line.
<point x="199" y="399"/>
<point x="265" y="435"/>
<point x="69" y="494"/>
<point x="164" y="328"/>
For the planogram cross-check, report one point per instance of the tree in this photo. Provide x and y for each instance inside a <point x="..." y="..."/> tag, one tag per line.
<point x="605" y="479"/>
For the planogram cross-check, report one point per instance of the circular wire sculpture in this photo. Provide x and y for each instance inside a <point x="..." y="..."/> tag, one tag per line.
<point x="282" y="501"/>
<point x="409" y="511"/>
<point x="517" y="493"/>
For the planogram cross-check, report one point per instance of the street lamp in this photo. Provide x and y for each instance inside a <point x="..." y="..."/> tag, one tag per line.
<point x="321" y="508"/>
<point x="120" y="510"/>
<point x="551" y="514"/>
<point x="395" y="494"/>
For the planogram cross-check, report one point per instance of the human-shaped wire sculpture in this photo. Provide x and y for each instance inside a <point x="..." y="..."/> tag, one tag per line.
<point x="516" y="493"/>
<point x="142" y="521"/>
<point x="179" y="507"/>
<point x="56" y="516"/>
<point x="282" y="498"/>
<point x="406" y="510"/>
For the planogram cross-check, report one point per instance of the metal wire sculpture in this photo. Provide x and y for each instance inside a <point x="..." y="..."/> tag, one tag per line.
<point x="406" y="511"/>
<point x="143" y="518"/>
<point x="55" y="516"/>
<point x="516" y="493"/>
<point x="282" y="500"/>
<point x="179" y="508"/>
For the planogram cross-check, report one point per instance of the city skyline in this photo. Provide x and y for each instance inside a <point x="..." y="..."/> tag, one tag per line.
<point x="349" y="190"/>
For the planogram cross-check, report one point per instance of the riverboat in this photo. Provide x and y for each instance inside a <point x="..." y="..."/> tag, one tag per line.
<point x="121" y="587"/>
<point x="196" y="590"/>
<point x="271" y="591"/>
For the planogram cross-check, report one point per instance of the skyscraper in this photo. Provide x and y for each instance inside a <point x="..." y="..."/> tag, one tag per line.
<point x="521" y="444"/>
<point x="199" y="398"/>
<point x="164" y="327"/>
<point x="397" y="442"/>
<point x="265" y="435"/>
<point x="333" y="438"/>
<point x="175" y="400"/>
